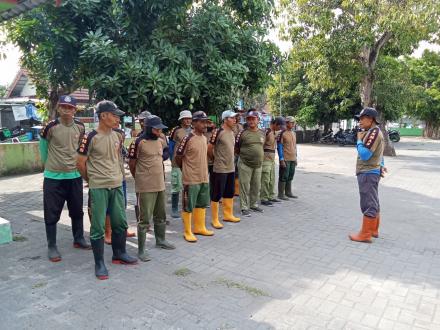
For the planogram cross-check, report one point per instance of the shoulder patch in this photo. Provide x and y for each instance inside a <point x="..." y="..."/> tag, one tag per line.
<point x="45" y="130"/>
<point x="238" y="139"/>
<point x="280" y="136"/>
<point x="173" y="132"/>
<point x="133" y="150"/>
<point x="215" y="136"/>
<point x="85" y="143"/>
<point x="371" y="137"/>
<point x="182" y="146"/>
<point x="268" y="131"/>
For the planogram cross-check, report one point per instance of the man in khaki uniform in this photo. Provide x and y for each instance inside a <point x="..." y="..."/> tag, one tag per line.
<point x="62" y="182"/>
<point x="99" y="164"/>
<point x="369" y="169"/>
<point x="146" y="166"/>
<point x="176" y="136"/>
<point x="191" y="157"/>
<point x="221" y="150"/>
<point x="288" y="159"/>
<point x="237" y="129"/>
<point x="210" y="130"/>
<point x="267" y="194"/>
<point x="249" y="147"/>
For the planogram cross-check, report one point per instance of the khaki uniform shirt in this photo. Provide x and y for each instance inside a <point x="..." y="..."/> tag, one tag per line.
<point x="270" y="145"/>
<point x="177" y="134"/>
<point x="63" y="142"/>
<point x="374" y="141"/>
<point x="208" y="136"/>
<point x="103" y="162"/>
<point x="150" y="175"/>
<point x="223" y="142"/>
<point x="288" y="139"/>
<point x="249" y="145"/>
<point x="194" y="152"/>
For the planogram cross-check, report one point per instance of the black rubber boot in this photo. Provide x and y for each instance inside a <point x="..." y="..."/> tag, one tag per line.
<point x="52" y="251"/>
<point x="101" y="271"/>
<point x="175" y="205"/>
<point x="78" y="234"/>
<point x="159" y="233"/>
<point x="281" y="188"/>
<point x="120" y="256"/>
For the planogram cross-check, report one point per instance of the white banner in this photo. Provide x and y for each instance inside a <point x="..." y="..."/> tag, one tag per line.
<point x="19" y="112"/>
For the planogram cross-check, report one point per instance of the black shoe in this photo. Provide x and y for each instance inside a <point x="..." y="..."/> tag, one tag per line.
<point x="275" y="200"/>
<point x="266" y="203"/>
<point x="101" y="271"/>
<point x="81" y="244"/>
<point x="257" y="209"/>
<point x="292" y="196"/>
<point x="120" y="256"/>
<point x="246" y="213"/>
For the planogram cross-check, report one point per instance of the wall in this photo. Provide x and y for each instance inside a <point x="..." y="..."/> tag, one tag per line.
<point x="18" y="158"/>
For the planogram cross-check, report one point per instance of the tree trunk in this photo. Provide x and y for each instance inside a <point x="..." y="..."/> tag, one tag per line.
<point x="431" y="131"/>
<point x="52" y="104"/>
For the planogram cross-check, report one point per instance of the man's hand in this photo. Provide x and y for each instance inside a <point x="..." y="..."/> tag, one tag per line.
<point x="283" y="163"/>
<point x="383" y="171"/>
<point x="360" y="135"/>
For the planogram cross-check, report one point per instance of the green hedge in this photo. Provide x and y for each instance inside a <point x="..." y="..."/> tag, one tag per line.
<point x="410" y="131"/>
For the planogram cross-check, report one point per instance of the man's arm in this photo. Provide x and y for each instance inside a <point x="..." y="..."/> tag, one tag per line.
<point x="81" y="165"/>
<point x="210" y="151"/>
<point x="44" y="147"/>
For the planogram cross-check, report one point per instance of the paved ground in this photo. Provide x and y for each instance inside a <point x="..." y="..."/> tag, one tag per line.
<point x="291" y="268"/>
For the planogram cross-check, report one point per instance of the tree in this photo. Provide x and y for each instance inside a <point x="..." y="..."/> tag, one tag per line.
<point x="161" y="55"/>
<point x="425" y="105"/>
<point x="340" y="42"/>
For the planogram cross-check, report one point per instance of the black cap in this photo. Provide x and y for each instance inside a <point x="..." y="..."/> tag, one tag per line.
<point x="279" y="121"/>
<point x="67" y="100"/>
<point x="370" y="112"/>
<point x="154" y="122"/>
<point x="199" y="115"/>
<point x="252" y="113"/>
<point x="108" y="106"/>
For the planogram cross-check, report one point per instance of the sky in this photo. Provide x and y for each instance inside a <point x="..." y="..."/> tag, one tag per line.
<point x="10" y="66"/>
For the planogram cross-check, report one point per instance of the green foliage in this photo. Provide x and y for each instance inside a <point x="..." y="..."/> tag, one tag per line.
<point x="425" y="77"/>
<point x="3" y="91"/>
<point x="161" y="55"/>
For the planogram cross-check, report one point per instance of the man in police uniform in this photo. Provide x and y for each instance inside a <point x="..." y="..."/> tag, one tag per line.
<point x="99" y="164"/>
<point x="221" y="150"/>
<point x="146" y="165"/>
<point x="267" y="194"/>
<point x="237" y="129"/>
<point x="249" y="146"/>
<point x="369" y="169"/>
<point x="62" y="182"/>
<point x="191" y="157"/>
<point x="286" y="144"/>
<point x="176" y="136"/>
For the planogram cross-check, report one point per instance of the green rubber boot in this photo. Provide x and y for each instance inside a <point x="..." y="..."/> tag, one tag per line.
<point x="159" y="232"/>
<point x="142" y="237"/>
<point x="281" y="189"/>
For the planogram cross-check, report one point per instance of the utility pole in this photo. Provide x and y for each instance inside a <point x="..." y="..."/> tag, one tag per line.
<point x="281" y="86"/>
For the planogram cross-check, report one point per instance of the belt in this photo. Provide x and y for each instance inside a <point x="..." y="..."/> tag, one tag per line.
<point x="269" y="150"/>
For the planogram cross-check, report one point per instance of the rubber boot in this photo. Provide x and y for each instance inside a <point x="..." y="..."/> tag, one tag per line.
<point x="215" y="222"/>
<point x="101" y="271"/>
<point x="281" y="189"/>
<point x="228" y="213"/>
<point x="187" y="232"/>
<point x="175" y="205"/>
<point x="52" y="251"/>
<point x="236" y="187"/>
<point x="375" y="233"/>
<point x="159" y="232"/>
<point x="142" y="237"/>
<point x="199" y="223"/>
<point x="108" y="231"/>
<point x="78" y="234"/>
<point x="368" y="226"/>
<point x="120" y="256"/>
<point x="289" y="190"/>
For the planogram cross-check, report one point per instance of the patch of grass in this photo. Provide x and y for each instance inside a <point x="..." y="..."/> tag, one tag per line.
<point x="182" y="272"/>
<point x="19" y="238"/>
<point x="244" y="287"/>
<point x="39" y="285"/>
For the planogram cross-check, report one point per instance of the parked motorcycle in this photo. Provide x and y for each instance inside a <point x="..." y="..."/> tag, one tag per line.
<point x="394" y="135"/>
<point x="347" y="138"/>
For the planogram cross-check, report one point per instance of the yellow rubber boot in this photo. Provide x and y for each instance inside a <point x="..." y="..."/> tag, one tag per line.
<point x="215" y="222"/>
<point x="228" y="214"/>
<point x="236" y="188"/>
<point x="199" y="223"/>
<point x="187" y="233"/>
